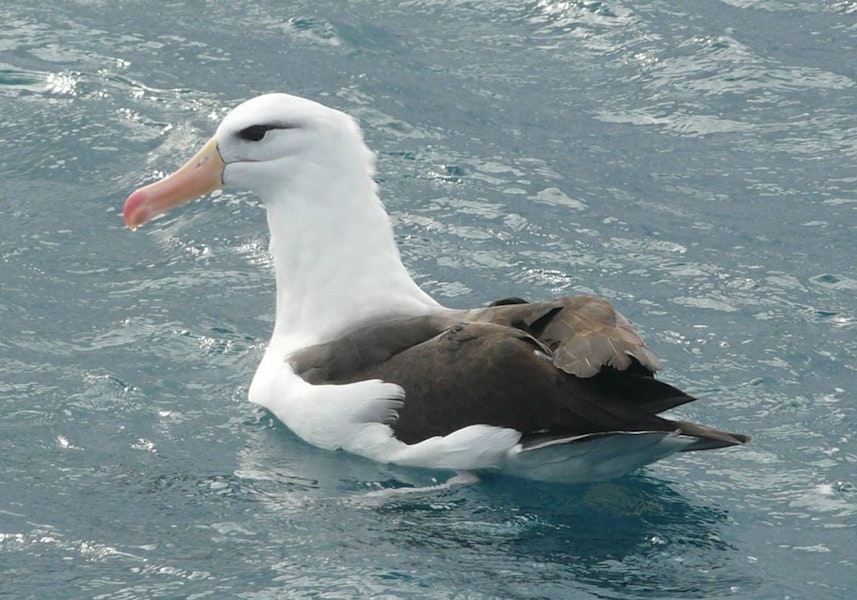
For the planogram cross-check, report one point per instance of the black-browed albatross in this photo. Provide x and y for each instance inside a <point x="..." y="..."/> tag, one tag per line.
<point x="362" y="359"/>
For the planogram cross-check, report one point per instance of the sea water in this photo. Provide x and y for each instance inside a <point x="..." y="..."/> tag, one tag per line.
<point x="693" y="162"/>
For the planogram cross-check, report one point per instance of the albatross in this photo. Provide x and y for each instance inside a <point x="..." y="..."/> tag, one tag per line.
<point x="363" y="360"/>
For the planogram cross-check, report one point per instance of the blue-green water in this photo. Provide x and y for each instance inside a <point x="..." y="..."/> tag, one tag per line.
<point x="695" y="162"/>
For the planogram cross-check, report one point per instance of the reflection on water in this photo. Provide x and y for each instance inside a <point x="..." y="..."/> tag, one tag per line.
<point x="633" y="537"/>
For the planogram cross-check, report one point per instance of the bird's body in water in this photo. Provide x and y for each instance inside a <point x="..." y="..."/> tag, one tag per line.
<point x="364" y="360"/>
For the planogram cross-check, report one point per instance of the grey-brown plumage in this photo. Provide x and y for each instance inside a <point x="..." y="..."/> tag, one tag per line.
<point x="552" y="370"/>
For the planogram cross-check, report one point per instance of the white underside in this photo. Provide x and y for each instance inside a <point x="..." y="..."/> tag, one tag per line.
<point x="594" y="458"/>
<point x="352" y="417"/>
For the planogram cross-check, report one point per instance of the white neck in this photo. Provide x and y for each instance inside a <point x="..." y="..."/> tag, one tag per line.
<point x="336" y="260"/>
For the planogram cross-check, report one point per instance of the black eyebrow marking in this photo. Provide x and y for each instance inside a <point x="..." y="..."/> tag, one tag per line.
<point x="254" y="133"/>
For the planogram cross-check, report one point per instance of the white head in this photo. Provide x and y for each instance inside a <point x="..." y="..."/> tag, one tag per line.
<point x="271" y="141"/>
<point x="284" y="139"/>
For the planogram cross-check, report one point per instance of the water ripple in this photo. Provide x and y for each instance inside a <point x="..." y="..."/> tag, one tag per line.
<point x="692" y="163"/>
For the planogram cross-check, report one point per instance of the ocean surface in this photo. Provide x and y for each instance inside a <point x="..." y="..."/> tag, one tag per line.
<point x="695" y="162"/>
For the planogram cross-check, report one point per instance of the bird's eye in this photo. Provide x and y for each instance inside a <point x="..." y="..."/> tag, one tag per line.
<point x="254" y="133"/>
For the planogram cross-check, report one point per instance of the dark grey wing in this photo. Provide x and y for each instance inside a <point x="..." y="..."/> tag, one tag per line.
<point x="585" y="333"/>
<point x="588" y="338"/>
<point x="484" y="373"/>
<point x="457" y="373"/>
<point x="348" y="357"/>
